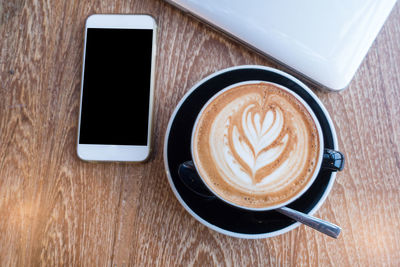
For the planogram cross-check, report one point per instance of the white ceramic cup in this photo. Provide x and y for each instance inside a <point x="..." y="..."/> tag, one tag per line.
<point x="320" y="152"/>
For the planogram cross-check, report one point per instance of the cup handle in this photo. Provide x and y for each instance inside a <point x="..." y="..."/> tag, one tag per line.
<point x="332" y="160"/>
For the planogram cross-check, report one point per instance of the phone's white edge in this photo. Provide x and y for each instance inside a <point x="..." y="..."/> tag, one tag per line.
<point x="112" y="152"/>
<point x="89" y="152"/>
<point x="115" y="21"/>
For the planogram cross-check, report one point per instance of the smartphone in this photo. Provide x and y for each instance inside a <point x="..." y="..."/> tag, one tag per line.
<point x="117" y="88"/>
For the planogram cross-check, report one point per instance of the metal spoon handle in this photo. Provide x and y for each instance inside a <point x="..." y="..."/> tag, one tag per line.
<point x="320" y="225"/>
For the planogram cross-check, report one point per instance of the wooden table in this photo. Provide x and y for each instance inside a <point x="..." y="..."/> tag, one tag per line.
<point x="58" y="210"/>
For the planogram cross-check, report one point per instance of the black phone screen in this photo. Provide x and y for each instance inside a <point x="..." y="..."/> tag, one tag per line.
<point x="116" y="87"/>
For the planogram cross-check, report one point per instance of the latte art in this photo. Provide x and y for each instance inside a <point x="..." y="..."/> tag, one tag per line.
<point x="250" y="144"/>
<point x="256" y="145"/>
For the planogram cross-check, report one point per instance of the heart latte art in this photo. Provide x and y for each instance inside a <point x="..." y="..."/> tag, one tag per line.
<point x="256" y="145"/>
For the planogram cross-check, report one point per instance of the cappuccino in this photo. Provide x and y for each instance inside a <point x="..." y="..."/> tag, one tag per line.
<point x="256" y="145"/>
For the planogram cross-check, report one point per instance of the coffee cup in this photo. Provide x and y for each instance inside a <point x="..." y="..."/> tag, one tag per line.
<point x="258" y="146"/>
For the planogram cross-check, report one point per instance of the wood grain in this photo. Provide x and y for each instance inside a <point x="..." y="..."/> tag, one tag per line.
<point x="56" y="210"/>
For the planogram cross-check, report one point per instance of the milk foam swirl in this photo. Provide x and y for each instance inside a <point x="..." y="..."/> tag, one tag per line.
<point x="258" y="143"/>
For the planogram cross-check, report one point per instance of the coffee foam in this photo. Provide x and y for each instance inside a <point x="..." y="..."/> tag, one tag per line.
<point x="256" y="145"/>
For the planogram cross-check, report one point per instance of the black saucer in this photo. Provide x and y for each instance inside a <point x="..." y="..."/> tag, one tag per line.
<point x="215" y="213"/>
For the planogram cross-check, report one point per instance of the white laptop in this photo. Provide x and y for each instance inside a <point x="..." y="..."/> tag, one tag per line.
<point x="325" y="40"/>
